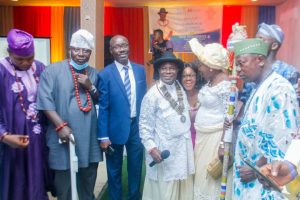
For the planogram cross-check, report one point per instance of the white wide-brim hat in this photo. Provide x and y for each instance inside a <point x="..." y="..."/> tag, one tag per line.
<point x="214" y="55"/>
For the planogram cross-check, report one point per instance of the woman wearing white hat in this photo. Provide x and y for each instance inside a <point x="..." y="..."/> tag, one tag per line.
<point x="210" y="118"/>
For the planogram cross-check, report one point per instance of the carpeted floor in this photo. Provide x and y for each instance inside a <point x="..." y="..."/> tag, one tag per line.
<point x="104" y="194"/>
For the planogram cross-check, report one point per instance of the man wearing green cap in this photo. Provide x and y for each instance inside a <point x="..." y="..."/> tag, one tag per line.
<point x="269" y="122"/>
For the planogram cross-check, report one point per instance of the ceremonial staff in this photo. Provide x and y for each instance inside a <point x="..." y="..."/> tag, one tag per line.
<point x="238" y="33"/>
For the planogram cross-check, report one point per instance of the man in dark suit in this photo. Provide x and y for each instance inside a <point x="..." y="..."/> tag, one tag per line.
<point x="122" y="86"/>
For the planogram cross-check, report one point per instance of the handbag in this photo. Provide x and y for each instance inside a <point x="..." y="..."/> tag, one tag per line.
<point x="214" y="168"/>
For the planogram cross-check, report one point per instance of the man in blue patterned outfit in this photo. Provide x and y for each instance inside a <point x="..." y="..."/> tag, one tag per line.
<point x="269" y="123"/>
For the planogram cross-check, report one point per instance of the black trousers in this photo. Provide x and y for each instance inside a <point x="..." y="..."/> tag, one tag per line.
<point x="86" y="179"/>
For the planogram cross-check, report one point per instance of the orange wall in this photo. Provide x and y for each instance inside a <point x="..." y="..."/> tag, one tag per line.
<point x="288" y="17"/>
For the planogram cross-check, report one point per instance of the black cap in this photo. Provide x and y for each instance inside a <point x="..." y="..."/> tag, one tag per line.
<point x="168" y="57"/>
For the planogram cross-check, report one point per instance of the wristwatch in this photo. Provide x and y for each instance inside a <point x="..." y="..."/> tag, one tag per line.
<point x="93" y="89"/>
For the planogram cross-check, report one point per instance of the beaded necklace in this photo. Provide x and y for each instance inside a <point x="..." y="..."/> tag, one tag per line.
<point x="20" y="96"/>
<point x="89" y="102"/>
<point x="178" y="107"/>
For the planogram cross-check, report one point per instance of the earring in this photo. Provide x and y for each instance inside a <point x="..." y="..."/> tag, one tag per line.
<point x="210" y="70"/>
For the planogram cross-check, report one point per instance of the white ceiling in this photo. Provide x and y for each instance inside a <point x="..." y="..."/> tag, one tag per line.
<point x="143" y="2"/>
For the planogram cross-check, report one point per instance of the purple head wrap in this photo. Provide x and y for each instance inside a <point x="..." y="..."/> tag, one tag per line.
<point x="20" y="42"/>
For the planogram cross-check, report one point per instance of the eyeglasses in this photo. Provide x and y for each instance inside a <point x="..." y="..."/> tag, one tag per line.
<point x="121" y="46"/>
<point x="188" y="75"/>
<point x="166" y="69"/>
<point x="84" y="51"/>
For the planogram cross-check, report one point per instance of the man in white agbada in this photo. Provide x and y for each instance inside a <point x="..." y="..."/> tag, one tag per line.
<point x="67" y="95"/>
<point x="165" y="125"/>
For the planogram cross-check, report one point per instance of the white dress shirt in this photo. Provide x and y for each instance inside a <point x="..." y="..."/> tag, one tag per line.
<point x="292" y="155"/>
<point x="121" y="70"/>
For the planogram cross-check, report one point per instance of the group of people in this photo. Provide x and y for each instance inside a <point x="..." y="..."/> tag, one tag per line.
<point x="176" y="127"/>
<point x="40" y="108"/>
<point x="45" y="108"/>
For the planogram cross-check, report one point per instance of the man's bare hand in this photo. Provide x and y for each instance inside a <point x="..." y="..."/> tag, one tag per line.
<point x="65" y="134"/>
<point x="279" y="172"/>
<point x="104" y="144"/>
<point x="84" y="81"/>
<point x="246" y="174"/>
<point x="156" y="155"/>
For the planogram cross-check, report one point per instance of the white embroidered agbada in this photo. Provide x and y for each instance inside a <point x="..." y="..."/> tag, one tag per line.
<point x="161" y="127"/>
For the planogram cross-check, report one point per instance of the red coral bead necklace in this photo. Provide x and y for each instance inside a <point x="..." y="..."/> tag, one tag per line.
<point x="89" y="102"/>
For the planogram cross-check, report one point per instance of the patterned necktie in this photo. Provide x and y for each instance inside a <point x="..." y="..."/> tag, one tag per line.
<point x="127" y="84"/>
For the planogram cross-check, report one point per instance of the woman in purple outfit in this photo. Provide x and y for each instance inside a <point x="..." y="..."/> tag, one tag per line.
<point x="192" y="82"/>
<point x="21" y="128"/>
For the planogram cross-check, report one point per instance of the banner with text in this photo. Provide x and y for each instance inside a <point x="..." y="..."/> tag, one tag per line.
<point x="180" y="24"/>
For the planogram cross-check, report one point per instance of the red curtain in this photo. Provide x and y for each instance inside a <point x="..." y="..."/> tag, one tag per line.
<point x="34" y="19"/>
<point x="130" y="23"/>
<point x="231" y="15"/>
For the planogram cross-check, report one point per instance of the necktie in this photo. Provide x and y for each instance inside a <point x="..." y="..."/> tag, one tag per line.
<point x="127" y="84"/>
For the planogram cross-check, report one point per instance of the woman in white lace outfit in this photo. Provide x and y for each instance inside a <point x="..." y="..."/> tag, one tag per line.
<point x="210" y="117"/>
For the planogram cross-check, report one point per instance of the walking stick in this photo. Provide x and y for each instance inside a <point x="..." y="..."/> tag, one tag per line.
<point x="238" y="33"/>
<point x="73" y="168"/>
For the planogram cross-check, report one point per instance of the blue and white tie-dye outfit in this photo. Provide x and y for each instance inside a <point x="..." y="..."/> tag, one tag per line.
<point x="268" y="126"/>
